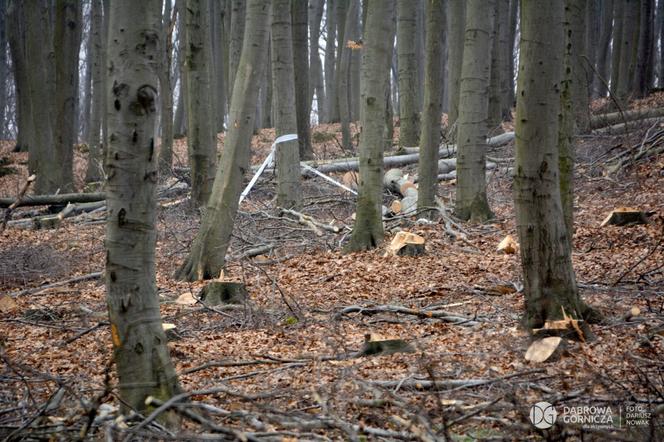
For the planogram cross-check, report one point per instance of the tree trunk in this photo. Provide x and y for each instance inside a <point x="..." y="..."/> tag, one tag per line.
<point x="376" y="60"/>
<point x="660" y="35"/>
<point x="41" y="93"/>
<point x="513" y="20"/>
<point x="219" y="70"/>
<point x="456" y="19"/>
<point x="141" y="355"/>
<point x="86" y="106"/>
<point x="67" y="42"/>
<point x="645" y="51"/>
<point x="628" y="51"/>
<point x="430" y="139"/>
<point x="593" y="20"/>
<point x="283" y="85"/>
<point x="549" y="281"/>
<point x="301" y="70"/>
<point x="208" y="252"/>
<point x="3" y="66"/>
<point x="238" y="11"/>
<point x="330" y="45"/>
<point x="180" y="118"/>
<point x="616" y="43"/>
<point x="166" y="151"/>
<point x="471" y="199"/>
<point x="316" y="82"/>
<point x="495" y="117"/>
<point x="575" y="15"/>
<point x="16" y="28"/>
<point x="603" y="54"/>
<point x="350" y="33"/>
<point x="504" y="64"/>
<point x="409" y="111"/>
<point x="201" y="135"/>
<point x="94" y="170"/>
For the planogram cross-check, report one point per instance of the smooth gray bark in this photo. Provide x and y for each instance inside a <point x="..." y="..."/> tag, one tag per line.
<point x="141" y="355"/>
<point x="330" y="51"/>
<point x="316" y="81"/>
<point x="471" y="199"/>
<point x="16" y="24"/>
<point x="575" y="30"/>
<point x="238" y="10"/>
<point x="409" y="111"/>
<point x="343" y="78"/>
<point x="645" y="51"/>
<point x="376" y="60"/>
<point x="301" y="71"/>
<point x="604" y="50"/>
<point x="628" y="51"/>
<point x="208" y="252"/>
<point x="166" y="92"/>
<point x="94" y="170"/>
<point x="456" y="25"/>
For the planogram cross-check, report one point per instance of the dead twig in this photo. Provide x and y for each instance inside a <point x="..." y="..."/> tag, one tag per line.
<point x="16" y="202"/>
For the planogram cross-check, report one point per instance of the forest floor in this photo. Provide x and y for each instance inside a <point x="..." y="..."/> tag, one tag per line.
<point x="271" y="368"/>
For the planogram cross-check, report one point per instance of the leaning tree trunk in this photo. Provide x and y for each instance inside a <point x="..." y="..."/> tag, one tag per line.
<point x="140" y="351"/>
<point x="456" y="19"/>
<point x="409" y="111"/>
<point x="208" y="251"/>
<point x="201" y="135"/>
<point x="238" y="11"/>
<point x="549" y="281"/>
<point x="430" y="139"/>
<point x="283" y="86"/>
<point x="301" y="70"/>
<point x="471" y="200"/>
<point x="376" y="60"/>
<point x="67" y="42"/>
<point x="41" y="91"/>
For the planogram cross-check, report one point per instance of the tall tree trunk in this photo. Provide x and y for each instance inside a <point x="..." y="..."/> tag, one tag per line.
<point x="341" y="8"/>
<point x="513" y="20"/>
<point x="330" y="51"/>
<point x="208" y="251"/>
<point x="3" y="66"/>
<point x="549" y="281"/>
<point x="504" y="64"/>
<point x="238" y="11"/>
<point x="301" y="69"/>
<point x="94" y="170"/>
<point x="180" y="118"/>
<point x="106" y="5"/>
<point x="603" y="54"/>
<point x="575" y="17"/>
<point x="495" y="117"/>
<point x="316" y="82"/>
<point x="283" y="85"/>
<point x="201" y="135"/>
<point x="616" y="43"/>
<point x="41" y="92"/>
<point x="16" y="28"/>
<point x="86" y="100"/>
<point x="409" y="111"/>
<point x="430" y="138"/>
<point x="166" y="151"/>
<point x="456" y="22"/>
<point x="593" y="21"/>
<point x="376" y="60"/>
<point x="645" y="51"/>
<point x="355" y="65"/>
<point x="141" y="354"/>
<point x="350" y="33"/>
<point x="67" y="42"/>
<point x="628" y="51"/>
<point x="660" y="35"/>
<point x="219" y="70"/>
<point x="471" y="199"/>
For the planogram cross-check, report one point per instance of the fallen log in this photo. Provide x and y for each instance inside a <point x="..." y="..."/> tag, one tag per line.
<point x="46" y="200"/>
<point x="622" y="127"/>
<point x="450" y="149"/>
<point x="610" y="119"/>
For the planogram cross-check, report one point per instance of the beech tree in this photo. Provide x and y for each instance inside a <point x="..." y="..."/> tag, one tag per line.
<point x="430" y="138"/>
<point x="301" y="71"/>
<point x="456" y="25"/>
<point x="139" y="343"/>
<point x="549" y="280"/>
<point x="98" y="46"/>
<point x="201" y="134"/>
<point x="409" y="113"/>
<point x="471" y="200"/>
<point x="283" y="86"/>
<point x="208" y="251"/>
<point x="375" y="68"/>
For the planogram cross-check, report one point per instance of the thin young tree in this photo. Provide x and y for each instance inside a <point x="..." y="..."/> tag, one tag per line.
<point x="201" y="134"/>
<point x="431" y="113"/>
<point x="549" y="281"/>
<point x="283" y="85"/>
<point x="208" y="251"/>
<point x="376" y="61"/>
<point x="471" y="199"/>
<point x="141" y="356"/>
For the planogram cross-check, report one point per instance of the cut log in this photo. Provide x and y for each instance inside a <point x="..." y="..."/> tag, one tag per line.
<point x="623" y="216"/>
<point x="621" y="128"/>
<point x="450" y="149"/>
<point x="224" y="292"/>
<point x="543" y="349"/>
<point x="62" y="199"/>
<point x="603" y="120"/>
<point x="406" y="244"/>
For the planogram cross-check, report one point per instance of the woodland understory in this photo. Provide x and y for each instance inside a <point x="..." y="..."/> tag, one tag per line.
<point x="283" y="365"/>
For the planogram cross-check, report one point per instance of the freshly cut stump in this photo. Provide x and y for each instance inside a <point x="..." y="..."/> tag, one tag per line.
<point x="224" y="292"/>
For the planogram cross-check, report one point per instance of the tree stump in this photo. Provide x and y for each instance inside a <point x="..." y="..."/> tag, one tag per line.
<point x="224" y="292"/>
<point x="406" y="244"/>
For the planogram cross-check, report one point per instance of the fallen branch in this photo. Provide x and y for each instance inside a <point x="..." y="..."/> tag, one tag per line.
<point x="622" y="127"/>
<point x="456" y="384"/>
<point x="611" y="119"/>
<point x="73" y="280"/>
<point x="435" y="314"/>
<point x="45" y="200"/>
<point x="17" y="201"/>
<point x="310" y="222"/>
